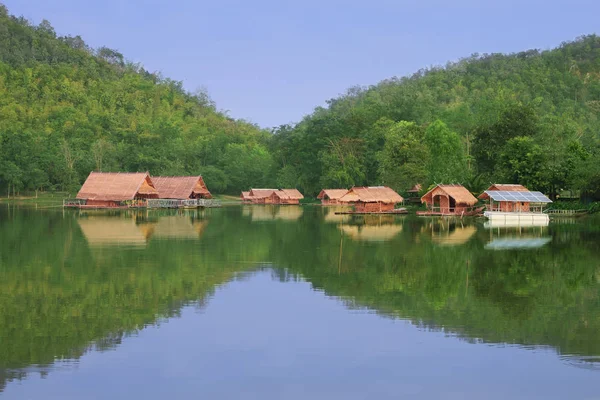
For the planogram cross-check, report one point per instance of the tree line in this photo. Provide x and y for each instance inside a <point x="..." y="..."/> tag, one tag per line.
<point x="531" y="117"/>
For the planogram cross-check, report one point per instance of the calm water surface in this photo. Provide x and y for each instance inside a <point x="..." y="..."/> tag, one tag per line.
<point x="261" y="302"/>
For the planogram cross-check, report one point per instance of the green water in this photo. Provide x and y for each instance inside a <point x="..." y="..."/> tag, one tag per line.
<point x="295" y="302"/>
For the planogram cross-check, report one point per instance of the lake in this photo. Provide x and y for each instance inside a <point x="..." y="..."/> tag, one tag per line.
<point x="296" y="302"/>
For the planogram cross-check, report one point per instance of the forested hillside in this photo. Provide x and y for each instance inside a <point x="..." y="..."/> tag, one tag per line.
<point x="66" y="109"/>
<point x="530" y="117"/>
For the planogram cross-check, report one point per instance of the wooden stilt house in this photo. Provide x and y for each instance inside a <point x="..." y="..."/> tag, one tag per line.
<point x="116" y="189"/>
<point x="331" y="196"/>
<point x="181" y="187"/>
<point x="246" y="198"/>
<point x="272" y="196"/>
<point x="372" y="199"/>
<point x="449" y="200"/>
<point x="286" y="196"/>
<point x="261" y="196"/>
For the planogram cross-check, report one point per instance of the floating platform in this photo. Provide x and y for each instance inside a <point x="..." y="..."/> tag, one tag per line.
<point x="499" y="218"/>
<point x="401" y="211"/>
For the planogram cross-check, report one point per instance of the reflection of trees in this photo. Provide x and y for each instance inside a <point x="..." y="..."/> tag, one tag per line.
<point x="59" y="298"/>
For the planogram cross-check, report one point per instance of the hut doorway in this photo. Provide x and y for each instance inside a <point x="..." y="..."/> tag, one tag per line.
<point x="452" y="204"/>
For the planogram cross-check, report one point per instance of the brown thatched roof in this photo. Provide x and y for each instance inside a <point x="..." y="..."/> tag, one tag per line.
<point x="245" y="195"/>
<point x="372" y="194"/>
<point x="459" y="193"/>
<point x="292" y="194"/>
<point x="504" y="187"/>
<point x="332" y="194"/>
<point x="180" y="187"/>
<point x="260" y="193"/>
<point x="117" y="186"/>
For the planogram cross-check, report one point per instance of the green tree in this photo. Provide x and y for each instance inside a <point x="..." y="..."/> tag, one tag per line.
<point x="524" y="161"/>
<point x="447" y="161"/>
<point x="404" y="156"/>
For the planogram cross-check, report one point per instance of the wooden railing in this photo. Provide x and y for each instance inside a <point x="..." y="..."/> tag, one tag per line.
<point x="565" y="212"/>
<point x="74" y="202"/>
<point x="151" y="203"/>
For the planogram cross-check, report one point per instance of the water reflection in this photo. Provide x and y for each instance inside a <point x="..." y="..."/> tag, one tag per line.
<point x="103" y="231"/>
<point x="526" y="236"/>
<point x="60" y="297"/>
<point x="270" y="212"/>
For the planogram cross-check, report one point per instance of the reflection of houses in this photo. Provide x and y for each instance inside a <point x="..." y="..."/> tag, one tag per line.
<point x="332" y="217"/>
<point x="453" y="236"/>
<point x="108" y="189"/>
<point x="178" y="227"/>
<point x="181" y="187"/>
<point x="449" y="200"/>
<point x="517" y="243"/>
<point x="376" y="228"/>
<point x="331" y="196"/>
<point x="271" y="213"/>
<point x="289" y="213"/>
<point x="114" y="231"/>
<point x="517" y="236"/>
<point x="372" y="199"/>
<point x="512" y="204"/>
<point x="371" y="233"/>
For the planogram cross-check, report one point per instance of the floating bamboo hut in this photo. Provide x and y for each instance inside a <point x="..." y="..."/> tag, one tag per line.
<point x="113" y="190"/>
<point x="449" y="200"/>
<point x="286" y="196"/>
<point x="372" y="199"/>
<point x="331" y="196"/>
<point x="272" y="196"/>
<point x="181" y="187"/>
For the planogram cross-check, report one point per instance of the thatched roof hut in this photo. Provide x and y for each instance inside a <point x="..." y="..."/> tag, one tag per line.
<point x="449" y="199"/>
<point x="286" y="196"/>
<point x="109" y="187"/>
<point x="331" y="196"/>
<point x="372" y="198"/>
<point x="246" y="198"/>
<point x="181" y="187"/>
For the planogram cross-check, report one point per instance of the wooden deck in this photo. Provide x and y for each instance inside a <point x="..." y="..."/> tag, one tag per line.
<point x="469" y="213"/>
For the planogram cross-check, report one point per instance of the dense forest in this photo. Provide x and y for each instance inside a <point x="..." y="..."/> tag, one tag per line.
<point x="530" y="118"/>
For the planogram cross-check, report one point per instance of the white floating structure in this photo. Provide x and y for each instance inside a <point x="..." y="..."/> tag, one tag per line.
<point x="514" y="208"/>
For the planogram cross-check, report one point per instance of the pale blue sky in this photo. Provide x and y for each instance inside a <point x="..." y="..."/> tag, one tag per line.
<point x="272" y="61"/>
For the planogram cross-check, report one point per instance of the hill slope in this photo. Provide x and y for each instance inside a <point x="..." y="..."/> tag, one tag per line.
<point x="529" y="117"/>
<point x="66" y="109"/>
